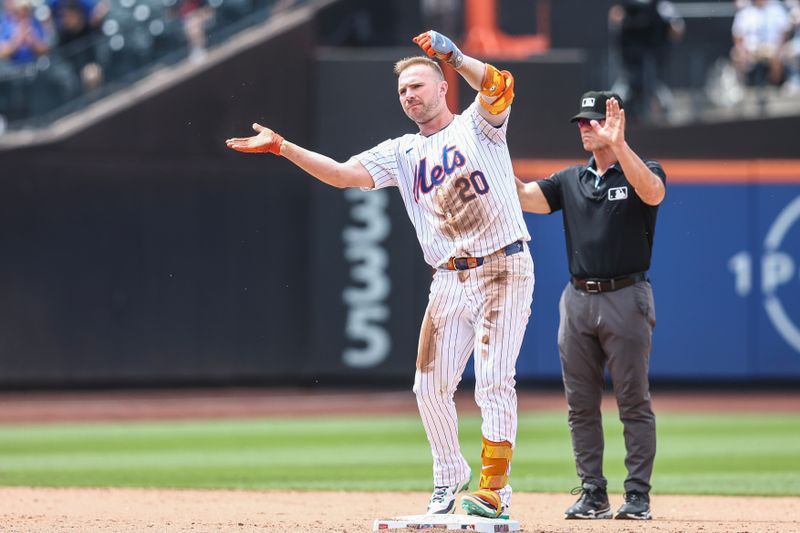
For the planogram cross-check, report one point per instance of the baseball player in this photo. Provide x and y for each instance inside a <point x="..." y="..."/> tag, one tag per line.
<point x="456" y="181"/>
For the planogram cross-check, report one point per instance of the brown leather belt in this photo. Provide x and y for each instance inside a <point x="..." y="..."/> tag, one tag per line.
<point x="607" y="285"/>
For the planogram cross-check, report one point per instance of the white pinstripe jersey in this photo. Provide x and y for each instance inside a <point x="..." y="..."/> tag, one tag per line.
<point x="457" y="185"/>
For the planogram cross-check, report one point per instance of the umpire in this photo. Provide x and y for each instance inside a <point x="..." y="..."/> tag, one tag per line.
<point x="606" y="310"/>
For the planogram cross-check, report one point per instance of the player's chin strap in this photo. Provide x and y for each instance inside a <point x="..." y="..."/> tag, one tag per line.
<point x="499" y="85"/>
<point x="496" y="459"/>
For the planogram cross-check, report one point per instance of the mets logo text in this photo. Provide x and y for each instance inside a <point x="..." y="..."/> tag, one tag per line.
<point x="451" y="160"/>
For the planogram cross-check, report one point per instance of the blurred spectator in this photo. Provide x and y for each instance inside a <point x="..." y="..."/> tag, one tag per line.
<point x="78" y="25"/>
<point x="760" y="31"/>
<point x="362" y="23"/>
<point x="196" y="15"/>
<point x="23" y="39"/>
<point x="792" y="50"/>
<point x="645" y="31"/>
<point x="443" y="16"/>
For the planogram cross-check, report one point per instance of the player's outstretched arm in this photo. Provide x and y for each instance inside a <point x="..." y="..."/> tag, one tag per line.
<point x="496" y="87"/>
<point x="348" y="174"/>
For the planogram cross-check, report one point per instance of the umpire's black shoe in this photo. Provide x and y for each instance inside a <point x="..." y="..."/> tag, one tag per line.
<point x="593" y="503"/>
<point x="636" y="506"/>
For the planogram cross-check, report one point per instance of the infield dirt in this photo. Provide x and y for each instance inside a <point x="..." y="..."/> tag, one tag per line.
<point x="106" y="510"/>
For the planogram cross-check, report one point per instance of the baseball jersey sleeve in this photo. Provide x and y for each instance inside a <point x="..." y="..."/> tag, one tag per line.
<point x="494" y="134"/>
<point x="381" y="162"/>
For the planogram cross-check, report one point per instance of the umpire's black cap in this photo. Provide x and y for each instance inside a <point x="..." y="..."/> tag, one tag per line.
<point x="593" y="105"/>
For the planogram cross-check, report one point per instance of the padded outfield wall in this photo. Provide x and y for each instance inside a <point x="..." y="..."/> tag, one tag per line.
<point x="143" y="252"/>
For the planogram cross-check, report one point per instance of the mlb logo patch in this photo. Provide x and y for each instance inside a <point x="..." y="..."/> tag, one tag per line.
<point x="618" y="193"/>
<point x="587" y="102"/>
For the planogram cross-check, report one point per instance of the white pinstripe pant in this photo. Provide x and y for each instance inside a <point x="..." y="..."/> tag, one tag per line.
<point x="483" y="311"/>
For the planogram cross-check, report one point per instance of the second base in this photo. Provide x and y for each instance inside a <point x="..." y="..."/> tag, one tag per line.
<point x="461" y="522"/>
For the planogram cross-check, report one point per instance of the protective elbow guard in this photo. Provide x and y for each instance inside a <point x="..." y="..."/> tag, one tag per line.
<point x="499" y="85"/>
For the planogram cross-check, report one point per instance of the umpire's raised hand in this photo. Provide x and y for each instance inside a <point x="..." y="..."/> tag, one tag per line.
<point x="612" y="131"/>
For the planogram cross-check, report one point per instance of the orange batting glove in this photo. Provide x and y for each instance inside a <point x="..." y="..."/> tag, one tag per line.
<point x="266" y="141"/>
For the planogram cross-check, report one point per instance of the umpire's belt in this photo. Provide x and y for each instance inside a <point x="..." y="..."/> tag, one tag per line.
<point x="465" y="263"/>
<point x="607" y="285"/>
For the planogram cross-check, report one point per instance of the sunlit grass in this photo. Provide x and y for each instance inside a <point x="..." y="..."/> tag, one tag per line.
<point x="746" y="454"/>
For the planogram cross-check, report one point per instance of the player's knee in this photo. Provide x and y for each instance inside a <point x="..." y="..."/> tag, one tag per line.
<point x="427" y="391"/>
<point x="502" y="389"/>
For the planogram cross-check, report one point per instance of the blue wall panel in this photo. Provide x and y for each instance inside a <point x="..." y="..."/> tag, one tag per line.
<point x="725" y="277"/>
<point x="775" y="256"/>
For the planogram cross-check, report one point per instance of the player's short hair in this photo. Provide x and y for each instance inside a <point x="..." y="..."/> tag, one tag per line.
<point x="407" y="62"/>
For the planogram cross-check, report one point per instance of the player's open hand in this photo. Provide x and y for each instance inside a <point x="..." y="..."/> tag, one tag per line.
<point x="439" y="46"/>
<point x="613" y="130"/>
<point x="265" y="141"/>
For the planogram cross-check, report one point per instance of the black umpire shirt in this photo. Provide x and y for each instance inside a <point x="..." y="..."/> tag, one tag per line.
<point x="609" y="229"/>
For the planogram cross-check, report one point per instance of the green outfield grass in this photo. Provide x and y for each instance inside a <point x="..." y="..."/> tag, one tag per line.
<point x="743" y="454"/>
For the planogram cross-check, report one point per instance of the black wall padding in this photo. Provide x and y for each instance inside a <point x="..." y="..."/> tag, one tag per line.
<point x="143" y="251"/>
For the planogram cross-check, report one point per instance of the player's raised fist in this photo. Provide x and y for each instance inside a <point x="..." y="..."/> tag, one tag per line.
<point x="440" y="46"/>
<point x="265" y="141"/>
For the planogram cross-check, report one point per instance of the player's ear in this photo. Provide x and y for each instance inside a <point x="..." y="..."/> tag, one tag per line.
<point x="443" y="87"/>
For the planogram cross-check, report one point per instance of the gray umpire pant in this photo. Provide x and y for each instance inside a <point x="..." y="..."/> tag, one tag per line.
<point x="611" y="329"/>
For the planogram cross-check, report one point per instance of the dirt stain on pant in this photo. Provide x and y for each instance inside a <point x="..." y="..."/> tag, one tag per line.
<point x="428" y="343"/>
<point x="485" y="345"/>
<point x="496" y="288"/>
